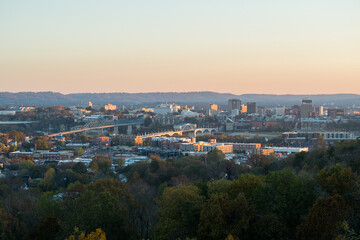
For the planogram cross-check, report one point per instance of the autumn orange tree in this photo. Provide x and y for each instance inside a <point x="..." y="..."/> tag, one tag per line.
<point x="99" y="234"/>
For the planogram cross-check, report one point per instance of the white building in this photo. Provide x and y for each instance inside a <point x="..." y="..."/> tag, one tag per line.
<point x="235" y="112"/>
<point x="287" y="150"/>
<point x="280" y="110"/>
<point x="164" y="109"/>
<point x="98" y="118"/>
<point x="79" y="111"/>
<point x="188" y="113"/>
<point x="134" y="159"/>
<point x="7" y="113"/>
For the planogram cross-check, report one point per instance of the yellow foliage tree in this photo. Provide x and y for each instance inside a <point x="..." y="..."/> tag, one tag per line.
<point x="99" y="234"/>
<point x="229" y="237"/>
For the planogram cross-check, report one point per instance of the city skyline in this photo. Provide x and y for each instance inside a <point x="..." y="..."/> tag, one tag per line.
<point x="240" y="47"/>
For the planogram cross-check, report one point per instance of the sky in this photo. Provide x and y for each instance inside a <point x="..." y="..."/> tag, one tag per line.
<point x="232" y="46"/>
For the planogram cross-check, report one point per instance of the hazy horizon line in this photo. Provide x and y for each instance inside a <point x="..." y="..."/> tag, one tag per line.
<point x="205" y="91"/>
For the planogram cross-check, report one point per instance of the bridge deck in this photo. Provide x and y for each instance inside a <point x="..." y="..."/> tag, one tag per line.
<point x="92" y="128"/>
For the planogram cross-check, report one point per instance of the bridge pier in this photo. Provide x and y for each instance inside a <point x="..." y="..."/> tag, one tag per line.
<point x="192" y="134"/>
<point x="116" y="129"/>
<point x="138" y="126"/>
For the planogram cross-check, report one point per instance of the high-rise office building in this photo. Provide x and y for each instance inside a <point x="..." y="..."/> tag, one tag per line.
<point x="243" y="108"/>
<point x="213" y="110"/>
<point x="306" y="108"/>
<point x="251" y="108"/>
<point x="335" y="112"/>
<point x="319" y="111"/>
<point x="214" y="107"/>
<point x="234" y="104"/>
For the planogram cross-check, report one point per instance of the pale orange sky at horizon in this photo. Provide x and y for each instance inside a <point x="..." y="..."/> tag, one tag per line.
<point x="238" y="47"/>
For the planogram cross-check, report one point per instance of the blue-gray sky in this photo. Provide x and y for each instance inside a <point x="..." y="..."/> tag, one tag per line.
<point x="143" y="46"/>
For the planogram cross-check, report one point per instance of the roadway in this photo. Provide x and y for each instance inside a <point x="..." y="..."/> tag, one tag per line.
<point x="83" y="129"/>
<point x="16" y="122"/>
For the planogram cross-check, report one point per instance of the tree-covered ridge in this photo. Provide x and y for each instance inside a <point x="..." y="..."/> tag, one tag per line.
<point x="311" y="195"/>
<point x="54" y="98"/>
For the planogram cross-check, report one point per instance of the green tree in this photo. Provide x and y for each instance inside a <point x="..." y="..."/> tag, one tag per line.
<point x="223" y="216"/>
<point x="98" y="210"/>
<point x="101" y="164"/>
<point x="79" y="167"/>
<point x="285" y="195"/>
<point x="12" y="148"/>
<point x="119" y="162"/>
<point x="154" y="165"/>
<point x="218" y="186"/>
<point x="321" y="142"/>
<point x="82" y="138"/>
<point x="17" y="136"/>
<point x="48" y="184"/>
<point x="215" y="164"/>
<point x="13" y="227"/>
<point x="41" y="143"/>
<point x="49" y="175"/>
<point x="59" y="143"/>
<point x="268" y="227"/>
<point x="258" y="160"/>
<point x="47" y="205"/>
<point x="337" y="180"/>
<point x="349" y="234"/>
<point x="246" y="184"/>
<point x="179" y="212"/>
<point x="26" y="166"/>
<point x="78" y="151"/>
<point x="215" y="157"/>
<point x="4" y="139"/>
<point x="324" y="219"/>
<point x="48" y="228"/>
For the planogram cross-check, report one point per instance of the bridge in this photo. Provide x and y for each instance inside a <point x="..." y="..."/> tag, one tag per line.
<point x="102" y="125"/>
<point x="192" y="132"/>
<point x="189" y="128"/>
<point x="16" y="122"/>
<point x="159" y="134"/>
<point x="204" y="131"/>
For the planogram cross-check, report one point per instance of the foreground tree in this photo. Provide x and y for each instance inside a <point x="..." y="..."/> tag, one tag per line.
<point x="337" y="180"/>
<point x="268" y="227"/>
<point x="247" y="183"/>
<point x="223" y="216"/>
<point x="101" y="164"/>
<point x="99" y="234"/>
<point x="105" y="204"/>
<point x="48" y="228"/>
<point x="215" y="164"/>
<point x="324" y="219"/>
<point x="286" y="196"/>
<point x="179" y="212"/>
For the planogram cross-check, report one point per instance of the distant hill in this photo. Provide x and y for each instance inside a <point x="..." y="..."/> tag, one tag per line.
<point x="290" y="100"/>
<point x="34" y="98"/>
<point x="53" y="98"/>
